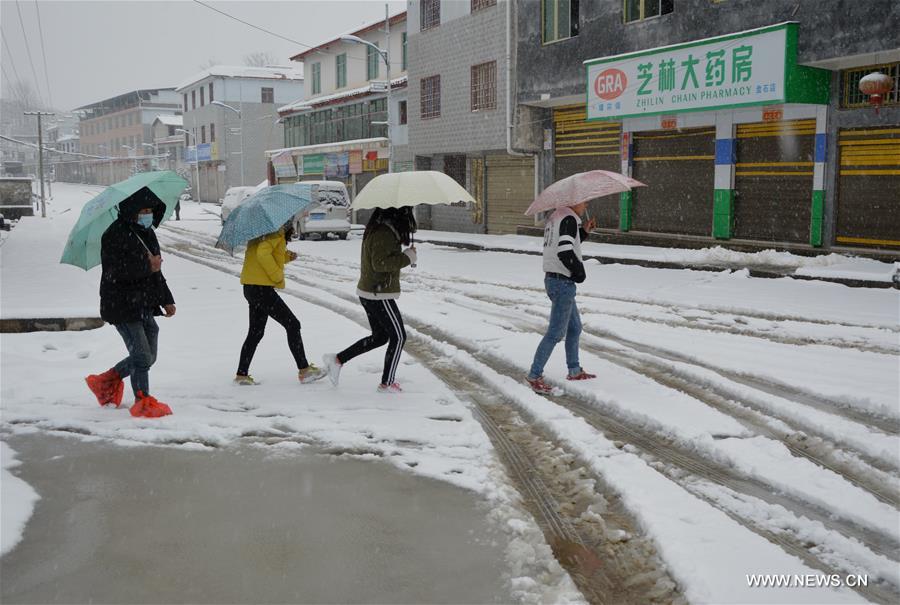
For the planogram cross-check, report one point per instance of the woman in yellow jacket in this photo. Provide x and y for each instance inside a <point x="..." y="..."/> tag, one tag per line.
<point x="263" y="272"/>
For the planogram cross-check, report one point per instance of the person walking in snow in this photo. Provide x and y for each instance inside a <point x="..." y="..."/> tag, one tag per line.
<point x="378" y="289"/>
<point x="563" y="268"/>
<point x="262" y="273"/>
<point x="133" y="292"/>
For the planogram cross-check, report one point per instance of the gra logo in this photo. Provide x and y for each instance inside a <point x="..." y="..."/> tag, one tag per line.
<point x="610" y="83"/>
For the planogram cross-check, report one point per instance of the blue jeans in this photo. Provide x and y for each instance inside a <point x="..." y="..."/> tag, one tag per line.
<point x="140" y="339"/>
<point x="564" y="323"/>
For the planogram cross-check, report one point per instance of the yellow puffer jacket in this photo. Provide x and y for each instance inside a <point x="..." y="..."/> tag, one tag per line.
<point x="264" y="261"/>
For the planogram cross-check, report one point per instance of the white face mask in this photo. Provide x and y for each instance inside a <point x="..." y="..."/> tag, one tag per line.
<point x="145" y="220"/>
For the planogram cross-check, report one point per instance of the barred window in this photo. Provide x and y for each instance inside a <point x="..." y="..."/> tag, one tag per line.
<point x="480" y="4"/>
<point x="340" y="67"/>
<point x="267" y="95"/>
<point x="852" y="97"/>
<point x="430" y="15"/>
<point x="484" y="86"/>
<point x="211" y="92"/>
<point x="430" y="97"/>
<point x="316" y="78"/>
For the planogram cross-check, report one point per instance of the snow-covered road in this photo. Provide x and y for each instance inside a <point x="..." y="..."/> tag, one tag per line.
<point x="737" y="426"/>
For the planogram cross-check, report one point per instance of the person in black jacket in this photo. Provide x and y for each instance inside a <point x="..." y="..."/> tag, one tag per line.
<point x="133" y="292"/>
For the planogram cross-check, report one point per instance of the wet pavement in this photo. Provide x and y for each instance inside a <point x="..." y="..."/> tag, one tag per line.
<point x="243" y="525"/>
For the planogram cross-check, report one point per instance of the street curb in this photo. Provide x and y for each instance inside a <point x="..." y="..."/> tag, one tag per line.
<point x="49" y="324"/>
<point x="654" y="264"/>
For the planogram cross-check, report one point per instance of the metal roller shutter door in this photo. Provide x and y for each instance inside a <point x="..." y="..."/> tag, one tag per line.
<point x="579" y="146"/>
<point x="510" y="190"/>
<point x="868" y="209"/>
<point x="678" y="168"/>
<point x="773" y="181"/>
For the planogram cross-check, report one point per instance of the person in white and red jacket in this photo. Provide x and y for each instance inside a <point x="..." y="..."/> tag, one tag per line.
<point x="563" y="268"/>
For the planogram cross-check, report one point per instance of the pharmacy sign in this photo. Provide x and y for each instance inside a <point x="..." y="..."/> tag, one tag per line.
<point x="756" y="67"/>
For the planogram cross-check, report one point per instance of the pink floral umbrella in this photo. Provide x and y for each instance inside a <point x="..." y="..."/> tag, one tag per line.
<point x="581" y="187"/>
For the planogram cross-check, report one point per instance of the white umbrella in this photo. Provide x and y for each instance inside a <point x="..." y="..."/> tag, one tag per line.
<point x="399" y="189"/>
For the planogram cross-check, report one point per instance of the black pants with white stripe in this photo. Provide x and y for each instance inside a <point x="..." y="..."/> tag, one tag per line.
<point x="387" y="328"/>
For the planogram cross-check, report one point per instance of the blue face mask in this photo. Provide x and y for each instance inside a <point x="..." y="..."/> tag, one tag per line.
<point x="145" y="220"/>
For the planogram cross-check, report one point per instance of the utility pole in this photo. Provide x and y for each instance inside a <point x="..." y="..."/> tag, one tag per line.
<point x="387" y="63"/>
<point x="40" y="156"/>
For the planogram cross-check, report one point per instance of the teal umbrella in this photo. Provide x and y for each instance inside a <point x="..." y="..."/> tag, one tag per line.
<point x="262" y="213"/>
<point x="83" y="246"/>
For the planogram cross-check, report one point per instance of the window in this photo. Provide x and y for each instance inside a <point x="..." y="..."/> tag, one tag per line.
<point x="455" y="168"/>
<point x="185" y="101"/>
<point x="852" y="97"/>
<point x="202" y="93"/>
<point x="203" y="134"/>
<point x="403" y="51"/>
<point x="267" y="95"/>
<point x="340" y="67"/>
<point x="480" y="4"/>
<point x="430" y="97"/>
<point x="372" y="58"/>
<point x="484" y="86"/>
<point x="636" y="10"/>
<point x="212" y="133"/>
<point x="316" y="78"/>
<point x="211" y="92"/>
<point x="430" y="15"/>
<point x="193" y="99"/>
<point x="401" y="109"/>
<point x="559" y="19"/>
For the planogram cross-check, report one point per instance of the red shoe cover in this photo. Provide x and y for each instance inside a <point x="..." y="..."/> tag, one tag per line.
<point x="105" y="387"/>
<point x="147" y="406"/>
<point x="119" y="392"/>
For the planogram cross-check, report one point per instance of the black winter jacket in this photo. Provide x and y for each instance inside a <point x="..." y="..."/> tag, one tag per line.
<point x="127" y="286"/>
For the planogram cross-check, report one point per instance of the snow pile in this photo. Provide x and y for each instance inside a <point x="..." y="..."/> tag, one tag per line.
<point x="18" y="501"/>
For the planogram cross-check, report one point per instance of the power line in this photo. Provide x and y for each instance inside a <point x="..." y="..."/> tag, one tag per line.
<point x="271" y="33"/>
<point x="43" y="52"/>
<point x="37" y="86"/>
<point x="9" y="54"/>
<point x="262" y="29"/>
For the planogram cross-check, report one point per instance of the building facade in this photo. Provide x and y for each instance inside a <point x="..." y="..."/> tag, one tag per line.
<point x="168" y="145"/>
<point x="117" y="129"/>
<point x="462" y="79"/>
<point x="339" y="130"/>
<point x="229" y="143"/>
<point x="62" y="136"/>
<point x="743" y="119"/>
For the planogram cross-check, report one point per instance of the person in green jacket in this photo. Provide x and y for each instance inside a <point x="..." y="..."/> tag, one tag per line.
<point x="263" y="271"/>
<point x="387" y="231"/>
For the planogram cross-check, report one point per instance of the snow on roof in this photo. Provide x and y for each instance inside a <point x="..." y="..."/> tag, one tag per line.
<point x="242" y="71"/>
<point x="170" y="120"/>
<point x="303" y="104"/>
<point x="356" y="31"/>
<point x="326" y="147"/>
<point x="67" y="137"/>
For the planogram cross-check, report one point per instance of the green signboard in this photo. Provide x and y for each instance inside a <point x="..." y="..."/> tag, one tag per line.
<point x="755" y="67"/>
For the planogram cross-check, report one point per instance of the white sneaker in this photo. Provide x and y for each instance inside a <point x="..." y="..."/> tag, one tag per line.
<point x="392" y="388"/>
<point x="332" y="367"/>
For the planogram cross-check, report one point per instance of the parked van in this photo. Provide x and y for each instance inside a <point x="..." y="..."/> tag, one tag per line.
<point x="329" y="212"/>
<point x="235" y="195"/>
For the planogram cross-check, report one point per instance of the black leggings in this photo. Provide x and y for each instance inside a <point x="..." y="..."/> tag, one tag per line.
<point x="387" y="328"/>
<point x="265" y="303"/>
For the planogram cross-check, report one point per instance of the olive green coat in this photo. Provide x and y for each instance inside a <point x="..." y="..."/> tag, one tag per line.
<point x="380" y="263"/>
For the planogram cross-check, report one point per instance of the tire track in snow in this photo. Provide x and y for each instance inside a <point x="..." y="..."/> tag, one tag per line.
<point x="667" y="454"/>
<point x="630" y="570"/>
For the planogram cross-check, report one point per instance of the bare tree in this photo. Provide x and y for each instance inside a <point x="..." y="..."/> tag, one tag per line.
<point x="259" y="59"/>
<point x="211" y="62"/>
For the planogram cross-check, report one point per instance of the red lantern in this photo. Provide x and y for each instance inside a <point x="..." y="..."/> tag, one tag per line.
<point x="876" y="85"/>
